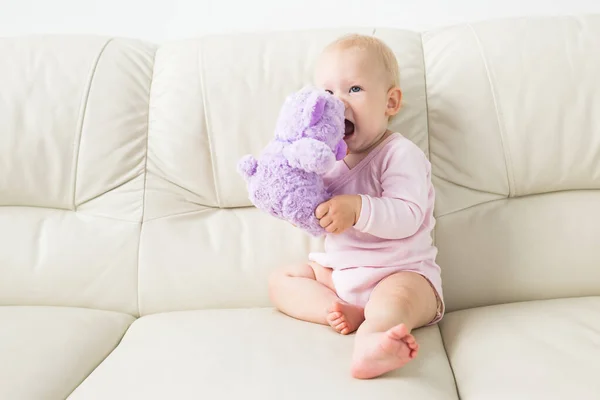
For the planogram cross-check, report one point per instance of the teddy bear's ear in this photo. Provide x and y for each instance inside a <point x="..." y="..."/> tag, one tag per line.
<point x="314" y="110"/>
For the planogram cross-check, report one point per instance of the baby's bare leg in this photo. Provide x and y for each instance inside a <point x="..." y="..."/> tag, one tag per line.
<point x="306" y="292"/>
<point x="303" y="291"/>
<point x="398" y="304"/>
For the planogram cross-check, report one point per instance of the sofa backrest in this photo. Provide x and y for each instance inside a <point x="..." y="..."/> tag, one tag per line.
<point x="73" y="128"/>
<point x="514" y="128"/>
<point x="118" y="163"/>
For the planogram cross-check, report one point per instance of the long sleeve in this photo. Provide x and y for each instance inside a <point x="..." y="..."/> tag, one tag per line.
<point x="400" y="211"/>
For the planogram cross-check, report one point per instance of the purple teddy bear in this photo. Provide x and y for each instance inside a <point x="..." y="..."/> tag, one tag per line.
<point x="287" y="180"/>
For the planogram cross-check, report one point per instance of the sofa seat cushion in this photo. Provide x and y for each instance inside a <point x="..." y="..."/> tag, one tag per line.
<point x="46" y="352"/>
<point x="254" y="353"/>
<point x="533" y="350"/>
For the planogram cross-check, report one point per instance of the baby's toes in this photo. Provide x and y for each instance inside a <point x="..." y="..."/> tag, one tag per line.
<point x="409" y="338"/>
<point x="336" y="321"/>
<point x="410" y="342"/>
<point x="413" y="353"/>
<point x="334" y="316"/>
<point x="339" y="323"/>
<point x="342" y="328"/>
<point x="399" y="332"/>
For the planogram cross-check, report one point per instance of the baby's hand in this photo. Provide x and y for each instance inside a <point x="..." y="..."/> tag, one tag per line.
<point x="339" y="213"/>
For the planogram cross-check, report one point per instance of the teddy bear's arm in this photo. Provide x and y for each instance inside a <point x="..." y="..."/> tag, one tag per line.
<point x="310" y="155"/>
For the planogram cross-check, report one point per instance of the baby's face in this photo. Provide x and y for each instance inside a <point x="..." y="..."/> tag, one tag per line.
<point x="349" y="75"/>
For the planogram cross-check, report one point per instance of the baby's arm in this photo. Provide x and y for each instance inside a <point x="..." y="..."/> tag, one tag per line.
<point x="401" y="210"/>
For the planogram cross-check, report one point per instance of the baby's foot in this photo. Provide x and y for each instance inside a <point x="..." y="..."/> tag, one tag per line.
<point x="345" y="318"/>
<point x="383" y="352"/>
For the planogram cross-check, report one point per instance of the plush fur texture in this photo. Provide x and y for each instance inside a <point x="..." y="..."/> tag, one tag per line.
<point x="286" y="180"/>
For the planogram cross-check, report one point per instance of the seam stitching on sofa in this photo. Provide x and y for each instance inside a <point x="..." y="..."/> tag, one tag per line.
<point x="36" y="206"/>
<point x="427" y="133"/>
<point x="207" y="124"/>
<point x="503" y="138"/>
<point x="171" y="182"/>
<point x="115" y="187"/>
<point x="145" y="182"/>
<point x="86" y="98"/>
<point x="426" y="99"/>
<point x="467" y="208"/>
<point x="106" y="217"/>
<point x="449" y="362"/>
<point x="86" y="213"/>
<point x="468" y="187"/>
<point x="517" y="197"/>
<point x="207" y="209"/>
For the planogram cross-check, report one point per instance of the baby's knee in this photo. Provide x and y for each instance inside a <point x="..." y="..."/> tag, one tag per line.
<point x="275" y="282"/>
<point x="277" y="278"/>
<point x="388" y="306"/>
<point x="291" y="271"/>
<point x="274" y="277"/>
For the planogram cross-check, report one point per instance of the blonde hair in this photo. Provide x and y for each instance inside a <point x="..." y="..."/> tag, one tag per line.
<point x="382" y="51"/>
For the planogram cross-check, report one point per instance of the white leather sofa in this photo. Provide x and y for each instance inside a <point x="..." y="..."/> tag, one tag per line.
<point x="132" y="265"/>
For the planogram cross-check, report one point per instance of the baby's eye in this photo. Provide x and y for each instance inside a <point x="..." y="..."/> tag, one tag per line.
<point x="328" y="91"/>
<point x="355" y="89"/>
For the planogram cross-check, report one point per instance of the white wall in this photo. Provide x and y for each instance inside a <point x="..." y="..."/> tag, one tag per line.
<point x="159" y="20"/>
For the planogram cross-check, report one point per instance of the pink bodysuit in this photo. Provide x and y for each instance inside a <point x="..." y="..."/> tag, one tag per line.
<point x="393" y="232"/>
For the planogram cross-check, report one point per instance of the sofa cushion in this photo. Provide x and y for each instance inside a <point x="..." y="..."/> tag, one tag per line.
<point x="254" y="353"/>
<point x="45" y="352"/>
<point x="62" y="258"/>
<point x="534" y="350"/>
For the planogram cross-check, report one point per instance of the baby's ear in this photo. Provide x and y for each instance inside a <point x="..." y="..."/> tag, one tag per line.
<point x="314" y="109"/>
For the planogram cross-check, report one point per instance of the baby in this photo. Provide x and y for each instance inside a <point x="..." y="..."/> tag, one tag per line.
<point x="378" y="274"/>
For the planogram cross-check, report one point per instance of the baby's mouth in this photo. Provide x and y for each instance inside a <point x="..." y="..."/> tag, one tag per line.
<point x="349" y="129"/>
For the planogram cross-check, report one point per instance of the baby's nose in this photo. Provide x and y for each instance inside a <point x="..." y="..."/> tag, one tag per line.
<point x="346" y="105"/>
